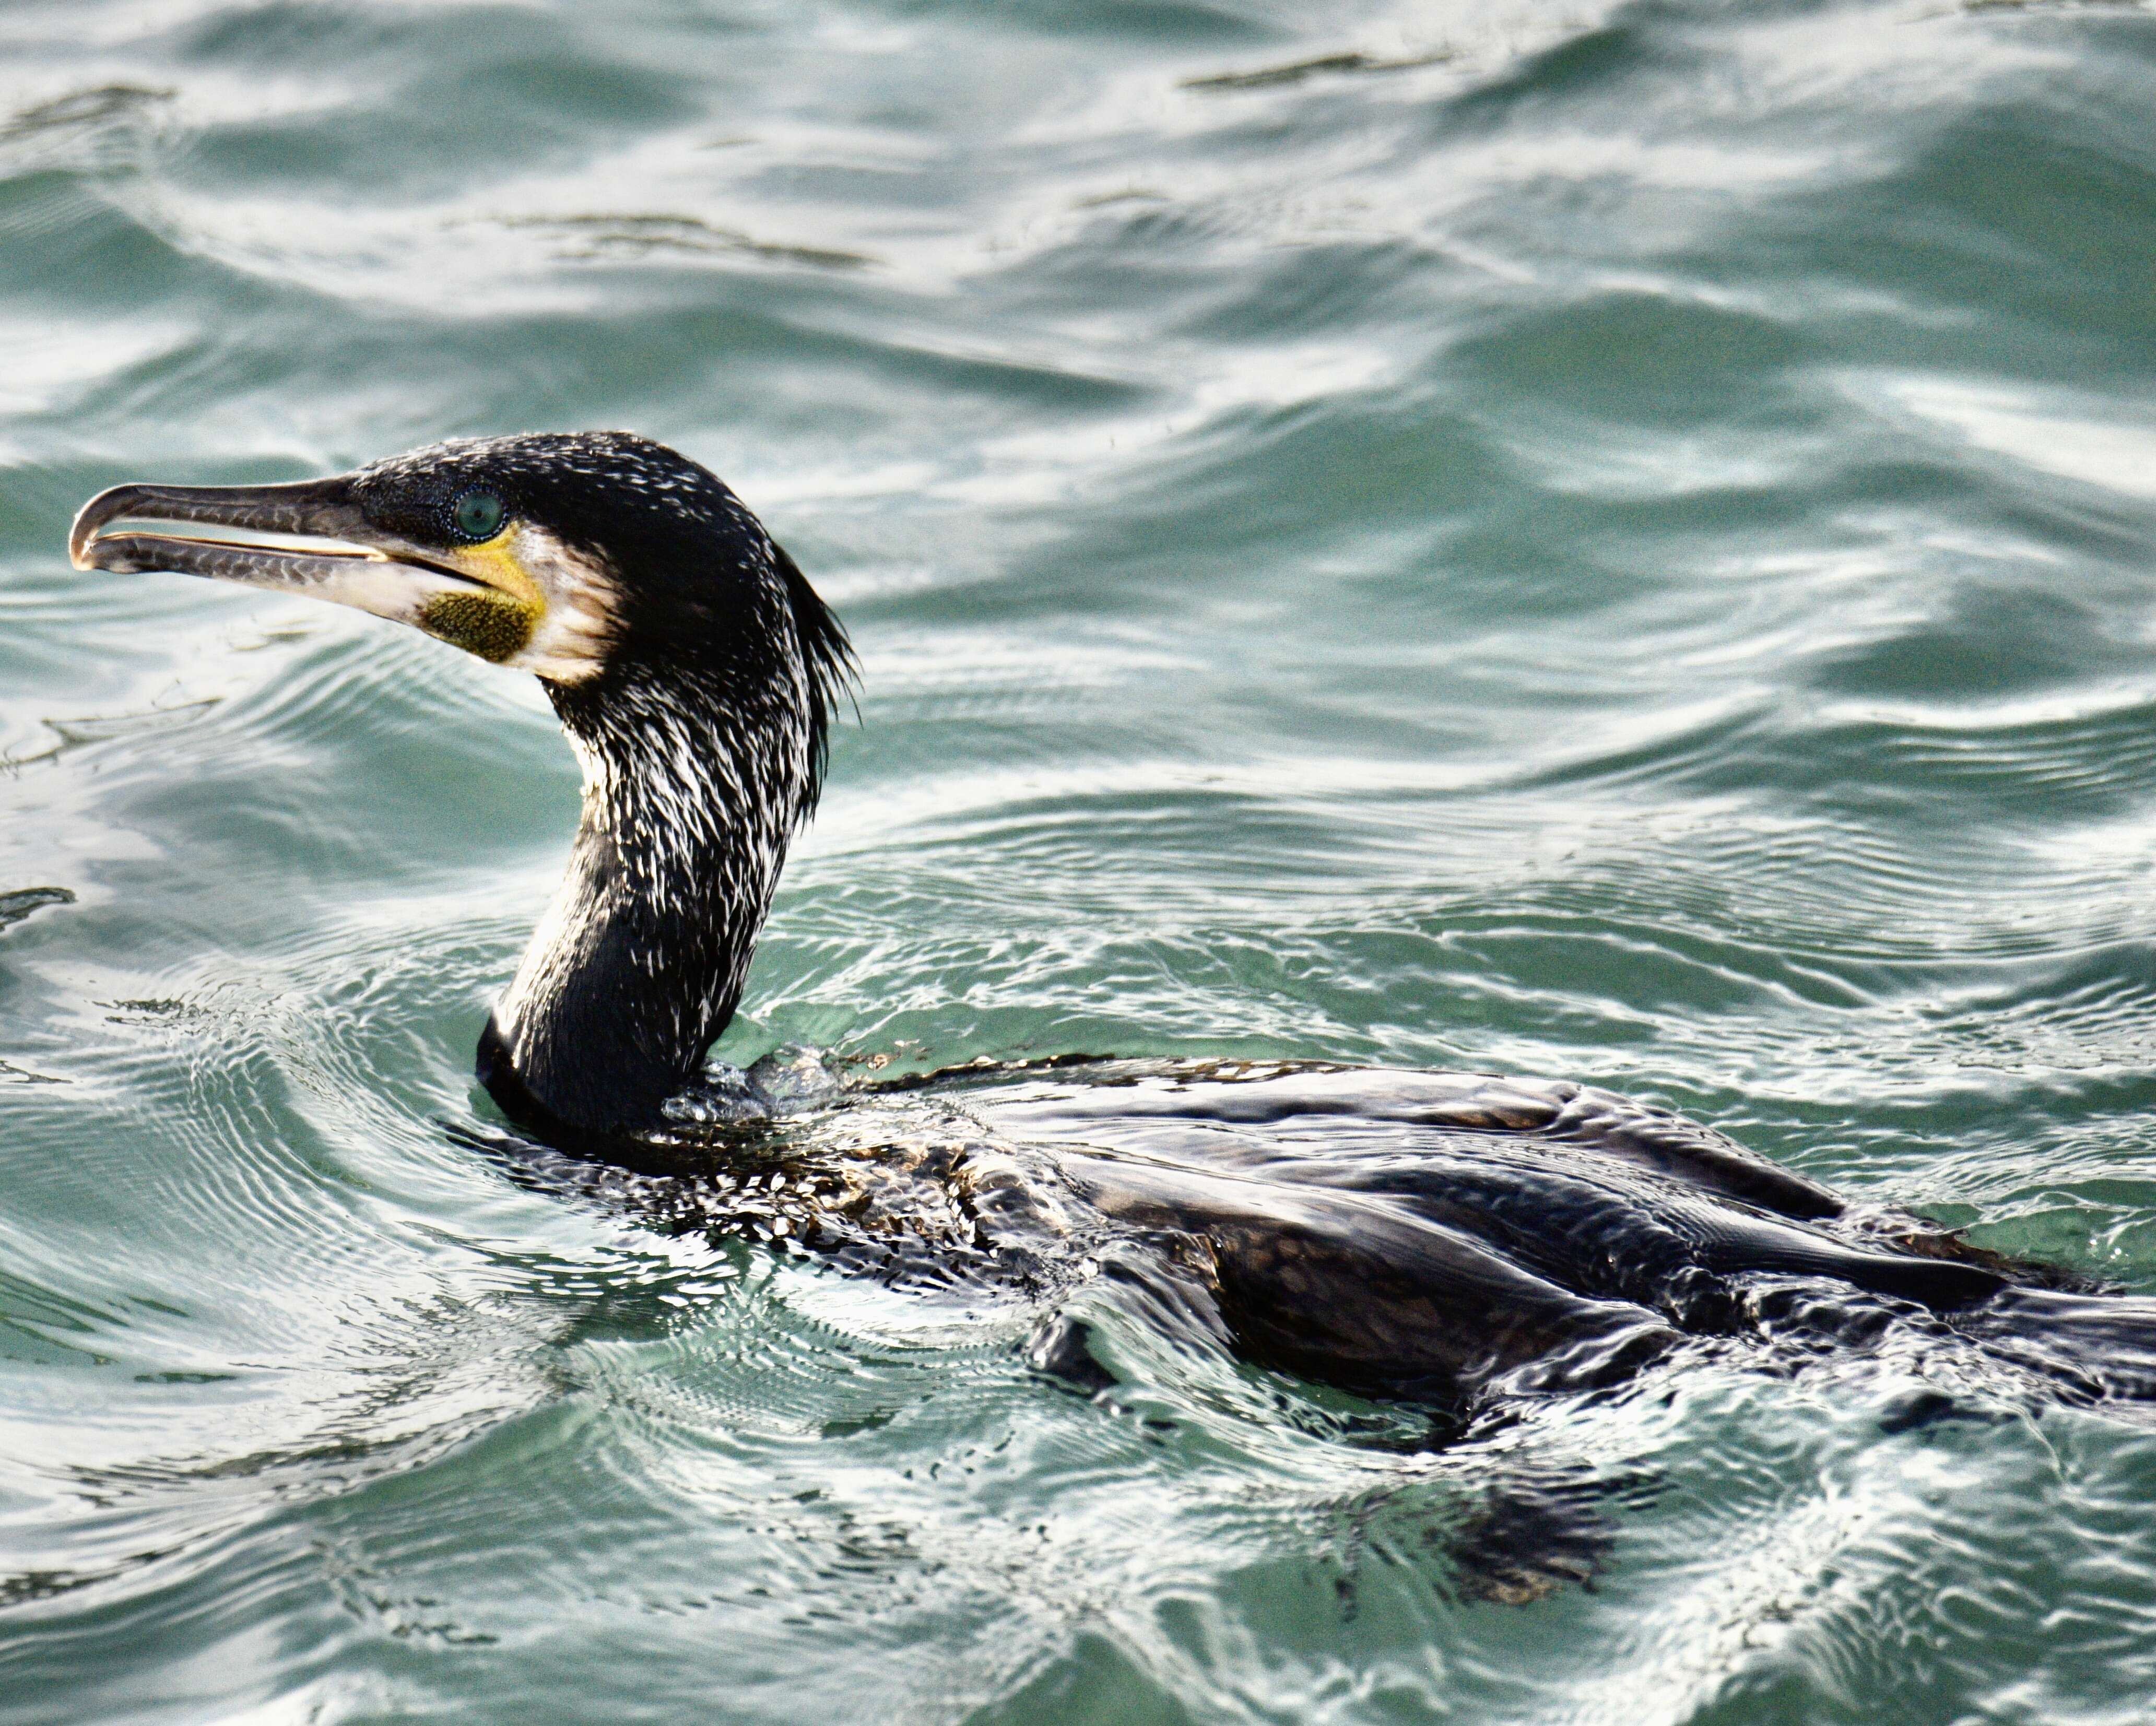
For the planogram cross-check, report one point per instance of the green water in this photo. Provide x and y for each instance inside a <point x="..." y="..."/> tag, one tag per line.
<point x="1611" y="542"/>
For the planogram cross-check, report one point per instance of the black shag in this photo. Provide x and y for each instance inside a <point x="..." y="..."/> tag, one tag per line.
<point x="1434" y="1237"/>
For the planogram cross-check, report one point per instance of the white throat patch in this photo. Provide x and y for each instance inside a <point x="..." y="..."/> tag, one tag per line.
<point x="581" y="599"/>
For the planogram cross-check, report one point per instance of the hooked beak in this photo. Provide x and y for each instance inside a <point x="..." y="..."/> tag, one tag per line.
<point x="522" y="598"/>
<point x="346" y="560"/>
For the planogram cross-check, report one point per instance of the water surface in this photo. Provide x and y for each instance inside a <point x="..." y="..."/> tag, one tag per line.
<point x="1605" y="541"/>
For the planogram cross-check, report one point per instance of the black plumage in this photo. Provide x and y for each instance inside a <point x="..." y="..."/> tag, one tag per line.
<point x="1434" y="1236"/>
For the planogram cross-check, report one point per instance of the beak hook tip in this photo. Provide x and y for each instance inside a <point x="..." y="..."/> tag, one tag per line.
<point x="108" y="506"/>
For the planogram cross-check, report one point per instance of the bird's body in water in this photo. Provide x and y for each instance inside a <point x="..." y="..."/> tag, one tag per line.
<point x="1449" y="1240"/>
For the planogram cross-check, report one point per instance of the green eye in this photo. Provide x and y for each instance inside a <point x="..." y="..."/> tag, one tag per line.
<point x="477" y="514"/>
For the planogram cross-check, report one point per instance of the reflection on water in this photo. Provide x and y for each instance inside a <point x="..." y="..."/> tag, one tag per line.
<point x="1610" y="542"/>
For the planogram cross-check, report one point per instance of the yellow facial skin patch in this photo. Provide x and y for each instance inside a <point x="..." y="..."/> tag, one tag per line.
<point x="542" y="605"/>
<point x="495" y="625"/>
<point x="492" y="626"/>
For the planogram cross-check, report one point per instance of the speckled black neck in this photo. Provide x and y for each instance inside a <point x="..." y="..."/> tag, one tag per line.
<point x="702" y="743"/>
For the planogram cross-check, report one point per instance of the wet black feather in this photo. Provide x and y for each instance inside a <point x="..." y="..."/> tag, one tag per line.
<point x="705" y="732"/>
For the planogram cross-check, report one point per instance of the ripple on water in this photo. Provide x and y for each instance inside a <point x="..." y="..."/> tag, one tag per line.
<point x="1605" y="542"/>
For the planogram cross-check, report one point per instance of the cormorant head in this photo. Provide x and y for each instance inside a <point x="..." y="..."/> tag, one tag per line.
<point x="690" y="661"/>
<point x="587" y="558"/>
